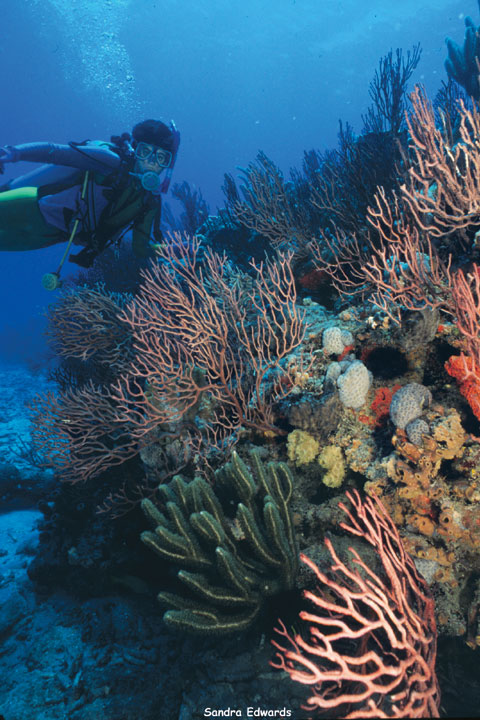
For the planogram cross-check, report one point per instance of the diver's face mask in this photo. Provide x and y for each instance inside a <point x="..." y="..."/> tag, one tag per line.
<point x="152" y="153"/>
<point x="151" y="160"/>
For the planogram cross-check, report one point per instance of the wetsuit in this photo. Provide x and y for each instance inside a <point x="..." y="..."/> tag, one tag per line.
<point x="39" y="209"/>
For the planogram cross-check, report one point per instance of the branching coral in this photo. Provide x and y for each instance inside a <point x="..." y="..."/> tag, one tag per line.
<point x="196" y="341"/>
<point x="271" y="208"/>
<point x="462" y="62"/>
<point x="84" y="323"/>
<point x="195" y="334"/>
<point x="369" y="647"/>
<point x="442" y="189"/>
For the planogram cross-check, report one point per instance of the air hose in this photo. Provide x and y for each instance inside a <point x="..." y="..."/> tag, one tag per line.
<point x="52" y="281"/>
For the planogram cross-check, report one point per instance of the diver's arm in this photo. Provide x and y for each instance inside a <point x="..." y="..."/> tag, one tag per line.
<point x="85" y="157"/>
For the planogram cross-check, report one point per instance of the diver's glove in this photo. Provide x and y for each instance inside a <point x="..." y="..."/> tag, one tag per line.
<point x="7" y="154"/>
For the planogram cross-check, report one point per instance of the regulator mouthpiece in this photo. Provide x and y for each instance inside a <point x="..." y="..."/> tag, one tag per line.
<point x="51" y="281"/>
<point x="151" y="181"/>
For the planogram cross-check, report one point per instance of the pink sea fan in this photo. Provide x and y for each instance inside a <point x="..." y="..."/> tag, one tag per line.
<point x="369" y="648"/>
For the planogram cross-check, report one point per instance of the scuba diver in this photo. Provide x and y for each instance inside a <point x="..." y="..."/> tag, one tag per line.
<point x="89" y="193"/>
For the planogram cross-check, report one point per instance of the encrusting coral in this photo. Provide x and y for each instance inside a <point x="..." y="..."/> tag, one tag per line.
<point x="238" y="560"/>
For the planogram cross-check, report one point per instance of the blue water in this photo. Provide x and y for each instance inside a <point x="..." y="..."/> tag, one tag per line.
<point x="237" y="77"/>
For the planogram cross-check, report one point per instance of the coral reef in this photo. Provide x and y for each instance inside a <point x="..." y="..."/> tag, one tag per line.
<point x="407" y="444"/>
<point x="332" y="354"/>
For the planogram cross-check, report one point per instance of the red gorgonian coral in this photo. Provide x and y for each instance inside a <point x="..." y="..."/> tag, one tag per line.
<point x="369" y="649"/>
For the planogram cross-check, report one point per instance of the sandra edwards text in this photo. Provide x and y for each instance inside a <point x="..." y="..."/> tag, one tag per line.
<point x="253" y="712"/>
